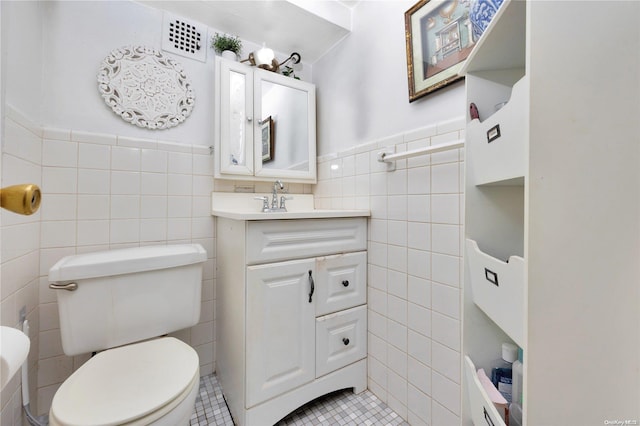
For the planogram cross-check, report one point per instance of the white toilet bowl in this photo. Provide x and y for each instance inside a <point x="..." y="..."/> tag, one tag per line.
<point x="116" y="303"/>
<point x="149" y="383"/>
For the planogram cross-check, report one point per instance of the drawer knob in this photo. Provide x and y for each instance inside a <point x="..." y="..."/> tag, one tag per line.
<point x="345" y="341"/>
<point x="345" y="283"/>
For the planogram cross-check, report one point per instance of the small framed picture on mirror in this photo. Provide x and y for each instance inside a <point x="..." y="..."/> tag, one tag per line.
<point x="268" y="139"/>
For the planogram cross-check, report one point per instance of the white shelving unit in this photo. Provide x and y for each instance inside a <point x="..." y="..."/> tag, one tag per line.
<point x="552" y="210"/>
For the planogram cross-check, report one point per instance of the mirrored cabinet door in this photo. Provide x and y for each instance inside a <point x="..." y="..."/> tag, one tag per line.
<point x="265" y="125"/>
<point x="286" y="131"/>
<point x="236" y="119"/>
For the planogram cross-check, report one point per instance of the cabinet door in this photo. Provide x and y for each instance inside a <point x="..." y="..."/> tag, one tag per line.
<point x="280" y="330"/>
<point x="236" y="125"/>
<point x="285" y="134"/>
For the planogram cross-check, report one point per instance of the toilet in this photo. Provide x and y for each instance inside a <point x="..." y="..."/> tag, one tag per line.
<point x="121" y="304"/>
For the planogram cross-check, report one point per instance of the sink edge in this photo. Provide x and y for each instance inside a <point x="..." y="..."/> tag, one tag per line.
<point x="310" y="214"/>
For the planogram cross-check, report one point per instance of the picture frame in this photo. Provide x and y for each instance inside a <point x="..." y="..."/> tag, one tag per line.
<point x="268" y="139"/>
<point x="439" y="38"/>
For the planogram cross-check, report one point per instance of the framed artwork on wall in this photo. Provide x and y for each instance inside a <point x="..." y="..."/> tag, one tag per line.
<point x="439" y="37"/>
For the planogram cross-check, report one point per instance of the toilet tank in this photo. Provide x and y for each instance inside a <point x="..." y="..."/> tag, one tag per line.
<point x="127" y="295"/>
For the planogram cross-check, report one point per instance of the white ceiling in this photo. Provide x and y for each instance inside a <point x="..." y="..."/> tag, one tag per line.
<point x="310" y="27"/>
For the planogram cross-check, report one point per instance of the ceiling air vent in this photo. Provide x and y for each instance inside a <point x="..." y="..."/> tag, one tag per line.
<point x="184" y="37"/>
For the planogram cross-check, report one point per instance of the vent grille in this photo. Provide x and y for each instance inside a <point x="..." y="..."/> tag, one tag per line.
<point x="184" y="37"/>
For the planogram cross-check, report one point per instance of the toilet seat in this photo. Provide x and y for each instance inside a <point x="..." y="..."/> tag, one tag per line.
<point x="133" y="384"/>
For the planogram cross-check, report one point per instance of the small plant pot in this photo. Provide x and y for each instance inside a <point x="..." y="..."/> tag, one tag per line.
<point x="230" y="55"/>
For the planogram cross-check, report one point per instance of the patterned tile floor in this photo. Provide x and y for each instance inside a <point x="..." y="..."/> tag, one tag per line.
<point x="337" y="408"/>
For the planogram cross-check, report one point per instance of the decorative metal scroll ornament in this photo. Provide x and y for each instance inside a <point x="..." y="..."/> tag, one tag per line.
<point x="145" y="88"/>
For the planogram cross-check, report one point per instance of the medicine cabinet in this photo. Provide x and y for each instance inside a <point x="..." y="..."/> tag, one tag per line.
<point x="265" y="125"/>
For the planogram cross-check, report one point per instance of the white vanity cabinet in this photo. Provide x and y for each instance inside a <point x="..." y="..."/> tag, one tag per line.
<point x="265" y="125"/>
<point x="291" y="317"/>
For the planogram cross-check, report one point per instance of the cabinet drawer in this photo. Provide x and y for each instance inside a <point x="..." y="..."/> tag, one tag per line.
<point x="274" y="240"/>
<point x="342" y="282"/>
<point x="498" y="289"/>
<point x="483" y="412"/>
<point x="341" y="339"/>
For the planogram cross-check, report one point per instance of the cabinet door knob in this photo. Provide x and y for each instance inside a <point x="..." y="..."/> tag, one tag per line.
<point x="345" y="283"/>
<point x="249" y="119"/>
<point x="345" y="341"/>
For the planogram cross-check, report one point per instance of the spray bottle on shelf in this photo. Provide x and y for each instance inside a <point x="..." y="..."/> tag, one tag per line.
<point x="516" y="382"/>
<point x="501" y="370"/>
<point x="515" y="414"/>
<point x="515" y="408"/>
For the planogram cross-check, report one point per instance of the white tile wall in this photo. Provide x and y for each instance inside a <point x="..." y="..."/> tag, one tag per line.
<point x="100" y="191"/>
<point x="20" y="248"/>
<point x="104" y="191"/>
<point x="414" y="267"/>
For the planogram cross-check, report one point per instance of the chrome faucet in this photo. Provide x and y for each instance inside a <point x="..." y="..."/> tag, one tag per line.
<point x="274" y="201"/>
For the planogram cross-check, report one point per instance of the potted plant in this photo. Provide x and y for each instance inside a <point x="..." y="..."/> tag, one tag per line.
<point x="227" y="46"/>
<point x="289" y="72"/>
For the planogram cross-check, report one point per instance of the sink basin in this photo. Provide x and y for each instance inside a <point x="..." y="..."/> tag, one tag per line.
<point x="14" y="348"/>
<point x="246" y="207"/>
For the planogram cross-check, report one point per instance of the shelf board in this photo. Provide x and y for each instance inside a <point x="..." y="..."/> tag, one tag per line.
<point x="502" y="46"/>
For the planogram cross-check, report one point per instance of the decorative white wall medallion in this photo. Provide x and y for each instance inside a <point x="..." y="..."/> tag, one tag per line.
<point x="145" y="88"/>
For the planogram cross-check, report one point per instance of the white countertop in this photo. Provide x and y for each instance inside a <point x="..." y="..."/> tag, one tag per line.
<point x="245" y="207"/>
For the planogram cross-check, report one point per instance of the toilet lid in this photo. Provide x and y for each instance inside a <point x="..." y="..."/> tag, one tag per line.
<point x="122" y="384"/>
